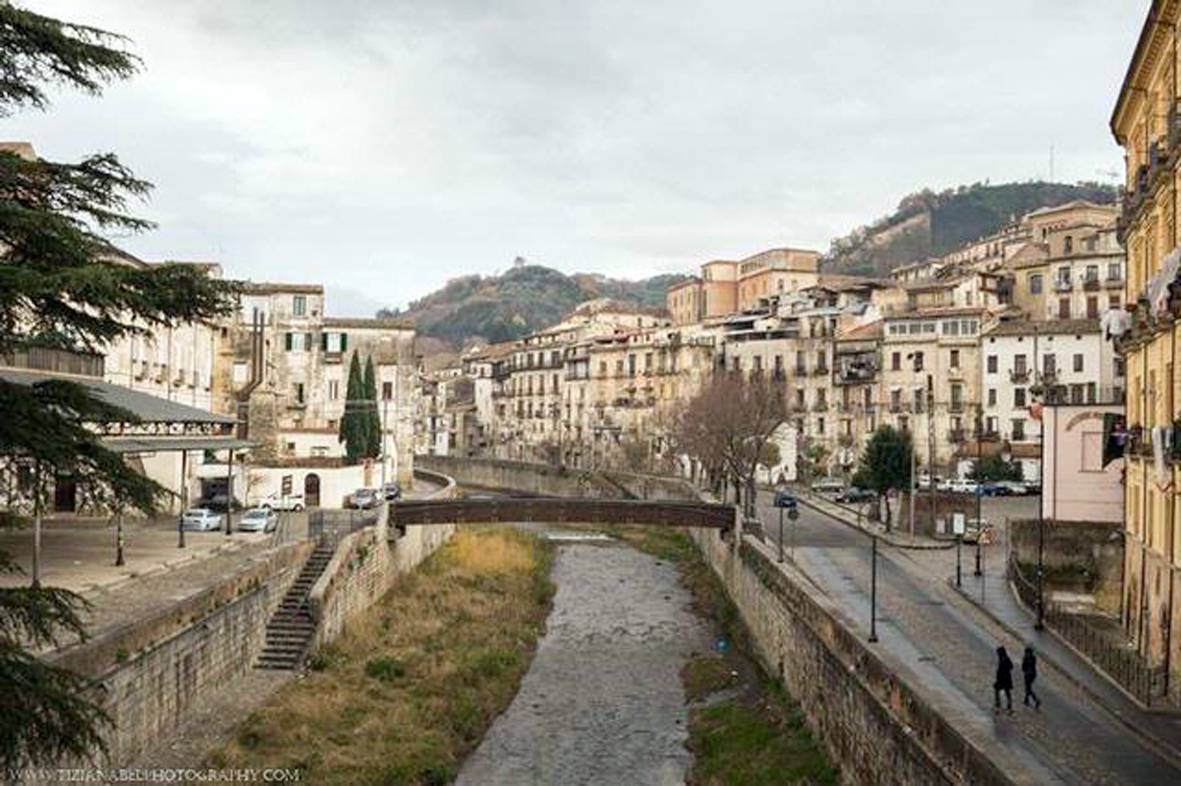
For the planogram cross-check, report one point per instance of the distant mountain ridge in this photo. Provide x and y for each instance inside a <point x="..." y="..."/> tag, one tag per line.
<point x="928" y="224"/>
<point x="520" y="301"/>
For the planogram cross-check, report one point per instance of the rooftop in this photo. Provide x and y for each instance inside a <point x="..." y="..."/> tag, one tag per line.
<point x="372" y="323"/>
<point x="1025" y="327"/>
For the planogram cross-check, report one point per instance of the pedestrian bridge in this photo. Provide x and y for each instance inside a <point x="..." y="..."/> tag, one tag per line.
<point x="562" y="510"/>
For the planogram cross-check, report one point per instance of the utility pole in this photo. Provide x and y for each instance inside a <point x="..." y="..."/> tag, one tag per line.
<point x="979" y="459"/>
<point x="930" y="450"/>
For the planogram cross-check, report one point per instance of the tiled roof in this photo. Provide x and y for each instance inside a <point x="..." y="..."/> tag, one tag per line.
<point x="1026" y="327"/>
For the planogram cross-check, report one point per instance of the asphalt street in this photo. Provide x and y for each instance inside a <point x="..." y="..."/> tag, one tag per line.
<point x="952" y="650"/>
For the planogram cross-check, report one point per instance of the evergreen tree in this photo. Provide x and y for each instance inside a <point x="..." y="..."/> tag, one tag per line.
<point x="885" y="464"/>
<point x="353" y="426"/>
<point x="64" y="285"/>
<point x="372" y="417"/>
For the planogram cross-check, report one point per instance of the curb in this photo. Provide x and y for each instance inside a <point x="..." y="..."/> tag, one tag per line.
<point x="162" y="567"/>
<point x="1150" y="740"/>
<point x="889" y="539"/>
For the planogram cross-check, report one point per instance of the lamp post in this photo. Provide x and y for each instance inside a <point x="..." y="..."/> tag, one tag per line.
<point x="184" y="499"/>
<point x="979" y="459"/>
<point x="873" y="590"/>
<point x="779" y="492"/>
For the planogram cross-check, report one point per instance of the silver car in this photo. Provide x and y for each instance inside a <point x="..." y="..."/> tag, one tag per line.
<point x="258" y="520"/>
<point x="201" y="520"/>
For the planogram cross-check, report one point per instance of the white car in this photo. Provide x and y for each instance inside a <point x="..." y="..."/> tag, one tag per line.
<point x="258" y="520"/>
<point x="279" y="501"/>
<point x="201" y="520"/>
<point x="964" y="486"/>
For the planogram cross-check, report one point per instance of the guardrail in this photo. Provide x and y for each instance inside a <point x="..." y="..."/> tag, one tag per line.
<point x="1144" y="683"/>
<point x="562" y="510"/>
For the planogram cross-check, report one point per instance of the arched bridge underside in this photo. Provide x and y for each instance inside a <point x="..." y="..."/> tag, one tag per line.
<point x="562" y="510"/>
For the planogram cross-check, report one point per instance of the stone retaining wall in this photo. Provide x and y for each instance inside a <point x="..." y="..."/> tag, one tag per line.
<point x="150" y="671"/>
<point x="366" y="563"/>
<point x="1080" y="556"/>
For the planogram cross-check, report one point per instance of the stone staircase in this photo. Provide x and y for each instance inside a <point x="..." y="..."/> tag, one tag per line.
<point x="290" y="629"/>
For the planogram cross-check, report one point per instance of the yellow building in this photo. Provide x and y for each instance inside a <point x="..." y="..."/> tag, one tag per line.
<point x="1147" y="124"/>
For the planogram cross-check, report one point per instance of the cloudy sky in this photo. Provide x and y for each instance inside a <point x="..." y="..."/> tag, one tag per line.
<point x="384" y="146"/>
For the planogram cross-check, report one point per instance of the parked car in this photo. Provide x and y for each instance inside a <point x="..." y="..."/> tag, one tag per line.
<point x="855" y="494"/>
<point x="964" y="486"/>
<point x="995" y="489"/>
<point x="977" y="530"/>
<point x="392" y="492"/>
<point x="259" y="520"/>
<point x="201" y="520"/>
<point x="829" y="486"/>
<point x="363" y="499"/>
<point x="785" y="499"/>
<point x="945" y="485"/>
<point x="219" y="503"/>
<point x="278" y="501"/>
<point x="1018" y="488"/>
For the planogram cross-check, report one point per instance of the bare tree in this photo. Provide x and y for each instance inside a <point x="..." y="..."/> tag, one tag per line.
<point x="729" y="425"/>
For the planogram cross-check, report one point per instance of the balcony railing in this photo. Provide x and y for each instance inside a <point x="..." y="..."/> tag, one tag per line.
<point x="820" y="406"/>
<point x="955" y="407"/>
<point x="1063" y="285"/>
<point x="1019" y="375"/>
<point x="1091" y="283"/>
<point x="956" y="435"/>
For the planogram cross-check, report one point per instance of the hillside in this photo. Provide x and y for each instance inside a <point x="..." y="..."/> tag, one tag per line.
<point x="520" y="301"/>
<point x="929" y="224"/>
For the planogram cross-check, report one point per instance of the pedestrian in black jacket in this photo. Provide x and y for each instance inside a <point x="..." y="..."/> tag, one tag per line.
<point x="1004" y="679"/>
<point x="1029" y="671"/>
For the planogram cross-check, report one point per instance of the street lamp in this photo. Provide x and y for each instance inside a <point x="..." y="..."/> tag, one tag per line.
<point x="873" y="591"/>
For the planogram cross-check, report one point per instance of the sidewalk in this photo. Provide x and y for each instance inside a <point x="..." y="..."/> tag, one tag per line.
<point x="849" y="517"/>
<point x="991" y="594"/>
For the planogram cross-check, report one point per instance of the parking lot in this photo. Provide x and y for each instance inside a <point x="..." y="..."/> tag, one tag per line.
<point x="79" y="553"/>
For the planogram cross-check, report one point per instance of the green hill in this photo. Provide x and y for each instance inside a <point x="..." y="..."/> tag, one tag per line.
<point x="929" y="224"/>
<point x="524" y="299"/>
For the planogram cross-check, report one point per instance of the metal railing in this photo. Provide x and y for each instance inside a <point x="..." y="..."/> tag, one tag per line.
<point x="1146" y="683"/>
<point x="330" y="526"/>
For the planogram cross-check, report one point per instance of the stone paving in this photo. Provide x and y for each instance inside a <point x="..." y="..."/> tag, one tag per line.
<point x="950" y="647"/>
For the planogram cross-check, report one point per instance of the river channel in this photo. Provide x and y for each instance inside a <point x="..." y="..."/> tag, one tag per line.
<point x="602" y="701"/>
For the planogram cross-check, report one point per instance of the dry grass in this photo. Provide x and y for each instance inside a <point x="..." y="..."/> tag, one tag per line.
<point x="412" y="686"/>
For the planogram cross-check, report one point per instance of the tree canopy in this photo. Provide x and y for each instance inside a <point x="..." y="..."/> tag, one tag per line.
<point x="63" y="284"/>
<point x="885" y="464"/>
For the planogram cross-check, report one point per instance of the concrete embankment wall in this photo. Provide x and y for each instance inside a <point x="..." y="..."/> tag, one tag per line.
<point x="1080" y="557"/>
<point x="863" y="704"/>
<point x="366" y="563"/>
<point x="150" y="671"/>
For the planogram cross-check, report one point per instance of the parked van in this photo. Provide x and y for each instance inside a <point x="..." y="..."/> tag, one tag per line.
<point x="829" y="486"/>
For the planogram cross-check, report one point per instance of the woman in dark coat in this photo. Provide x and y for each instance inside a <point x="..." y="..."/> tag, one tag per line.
<point x="1004" y="679"/>
<point x="1029" y="671"/>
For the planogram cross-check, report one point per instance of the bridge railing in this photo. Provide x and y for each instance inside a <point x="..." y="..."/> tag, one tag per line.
<point x="561" y="510"/>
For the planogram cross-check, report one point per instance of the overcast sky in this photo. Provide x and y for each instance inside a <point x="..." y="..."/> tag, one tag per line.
<point x="384" y="146"/>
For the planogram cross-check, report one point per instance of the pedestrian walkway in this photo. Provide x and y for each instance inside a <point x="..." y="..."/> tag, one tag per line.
<point x="990" y="592"/>
<point x="853" y="518"/>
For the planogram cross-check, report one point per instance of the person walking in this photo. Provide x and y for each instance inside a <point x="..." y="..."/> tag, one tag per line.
<point x="1004" y="680"/>
<point x="1029" y="671"/>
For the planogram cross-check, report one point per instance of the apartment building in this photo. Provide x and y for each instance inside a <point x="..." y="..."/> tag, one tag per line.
<point x="1027" y="363"/>
<point x="726" y="286"/>
<point x="295" y="408"/>
<point x="1146" y="122"/>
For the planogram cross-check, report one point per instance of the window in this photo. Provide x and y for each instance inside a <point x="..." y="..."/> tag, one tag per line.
<point x="895" y="400"/>
<point x="1078" y="361"/>
<point x="1063" y="308"/>
<point x="334" y="342"/>
<point x="387" y="391"/>
<point x="1018" y="430"/>
<point x="1092" y="307"/>
<point x="1019" y="397"/>
<point x="333" y="389"/>
<point x="992" y="363"/>
<point x="299" y="306"/>
<point x="1092" y="274"/>
<point x="955" y="358"/>
<point x="1019" y="364"/>
<point x="896" y="361"/>
<point x="1076" y="393"/>
<point x="631" y="365"/>
<point x="992" y="397"/>
<point x="800" y="400"/>
<point x="1064" y="275"/>
<point x="1114" y="273"/>
<point x="1035" y="283"/>
<point x="758" y="364"/>
<point x="1113" y="301"/>
<point x="918" y="361"/>
<point x="298" y="392"/>
<point x="298" y="342"/>
<point x="820" y="426"/>
<point x="1049" y="364"/>
<point x="1068" y="244"/>
<point x="1091" y="390"/>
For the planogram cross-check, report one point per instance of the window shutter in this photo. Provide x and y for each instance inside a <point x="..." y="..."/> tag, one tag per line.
<point x="344" y="342"/>
<point x="288" y="338"/>
<point x="307" y="342"/>
<point x="324" y="341"/>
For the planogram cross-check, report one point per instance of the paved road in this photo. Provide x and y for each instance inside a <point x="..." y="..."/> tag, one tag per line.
<point x="952" y="649"/>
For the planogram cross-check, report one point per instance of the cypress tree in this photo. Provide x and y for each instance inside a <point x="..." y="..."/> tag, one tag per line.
<point x="352" y="424"/>
<point x="64" y="285"/>
<point x="372" y="418"/>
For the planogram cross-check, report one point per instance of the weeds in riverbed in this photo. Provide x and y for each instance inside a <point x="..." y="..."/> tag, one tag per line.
<point x="410" y="689"/>
<point x="758" y="736"/>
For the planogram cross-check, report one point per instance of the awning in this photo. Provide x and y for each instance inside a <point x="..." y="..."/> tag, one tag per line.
<point x="148" y="408"/>
<point x="175" y="444"/>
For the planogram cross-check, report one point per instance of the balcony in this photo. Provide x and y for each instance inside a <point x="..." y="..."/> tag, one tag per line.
<point x="855" y="374"/>
<point x="1019" y="375"/>
<point x="820" y="371"/>
<point x="897" y="409"/>
<point x="956" y="435"/>
<point x="955" y="372"/>
<point x="1063" y="285"/>
<point x="955" y="407"/>
<point x="1091" y="284"/>
<point x="820" y="406"/>
<point x="1114" y="282"/>
<point x="801" y="371"/>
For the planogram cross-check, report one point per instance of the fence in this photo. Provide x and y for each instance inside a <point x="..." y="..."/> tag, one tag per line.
<point x="1144" y="682"/>
<point x="329" y="526"/>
